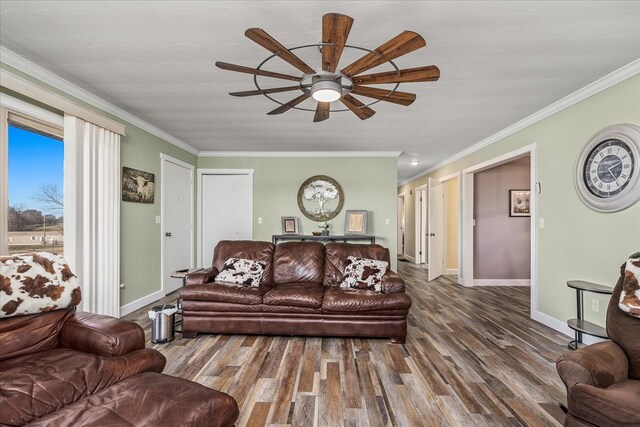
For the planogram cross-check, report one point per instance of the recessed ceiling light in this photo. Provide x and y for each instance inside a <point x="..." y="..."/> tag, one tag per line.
<point x="414" y="163"/>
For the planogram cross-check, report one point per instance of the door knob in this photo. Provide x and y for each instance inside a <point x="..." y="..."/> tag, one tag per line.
<point x="167" y="234"/>
<point x="432" y="234"/>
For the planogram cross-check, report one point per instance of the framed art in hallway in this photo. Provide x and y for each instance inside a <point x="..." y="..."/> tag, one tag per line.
<point x="355" y="223"/>
<point x="519" y="203"/>
<point x="290" y="225"/>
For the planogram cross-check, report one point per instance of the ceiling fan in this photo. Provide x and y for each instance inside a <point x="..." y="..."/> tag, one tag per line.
<point x="326" y="84"/>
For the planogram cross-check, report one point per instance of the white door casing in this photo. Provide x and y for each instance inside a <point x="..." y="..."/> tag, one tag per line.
<point x="421" y="224"/>
<point x="401" y="219"/>
<point x="436" y="229"/>
<point x="225" y="209"/>
<point x="177" y="219"/>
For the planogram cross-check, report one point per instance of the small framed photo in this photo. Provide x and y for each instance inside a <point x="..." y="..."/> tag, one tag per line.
<point x="355" y="223"/>
<point x="290" y="225"/>
<point x="519" y="203"/>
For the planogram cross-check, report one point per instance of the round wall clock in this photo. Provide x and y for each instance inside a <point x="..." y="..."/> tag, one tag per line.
<point x="608" y="169"/>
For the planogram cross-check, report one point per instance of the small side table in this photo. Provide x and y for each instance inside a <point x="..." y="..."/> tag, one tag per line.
<point x="181" y="274"/>
<point x="579" y="325"/>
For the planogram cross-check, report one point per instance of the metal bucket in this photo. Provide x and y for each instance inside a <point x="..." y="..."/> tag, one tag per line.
<point x="162" y="323"/>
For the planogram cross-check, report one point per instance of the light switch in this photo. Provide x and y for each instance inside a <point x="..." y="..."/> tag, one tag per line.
<point x="541" y="223"/>
<point x="157" y="219"/>
<point x="259" y="220"/>
<point x="388" y="221"/>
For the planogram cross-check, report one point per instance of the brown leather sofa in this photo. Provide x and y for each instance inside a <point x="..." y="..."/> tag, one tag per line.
<point x="603" y="379"/>
<point x="61" y="368"/>
<point x="299" y="294"/>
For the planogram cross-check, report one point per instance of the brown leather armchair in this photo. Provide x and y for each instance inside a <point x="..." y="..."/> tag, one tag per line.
<point x="603" y="379"/>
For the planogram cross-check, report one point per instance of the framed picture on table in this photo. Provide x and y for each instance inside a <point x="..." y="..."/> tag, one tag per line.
<point x="290" y="225"/>
<point x="355" y="223"/>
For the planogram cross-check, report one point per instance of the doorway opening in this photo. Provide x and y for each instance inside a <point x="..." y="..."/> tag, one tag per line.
<point x="498" y="247"/>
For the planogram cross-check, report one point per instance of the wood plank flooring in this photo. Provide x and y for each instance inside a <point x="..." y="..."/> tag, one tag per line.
<point x="472" y="358"/>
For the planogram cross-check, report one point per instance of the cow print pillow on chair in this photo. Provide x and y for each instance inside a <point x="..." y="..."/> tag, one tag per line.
<point x="36" y="282"/>
<point x="364" y="274"/>
<point x="630" y="294"/>
<point x="240" y="271"/>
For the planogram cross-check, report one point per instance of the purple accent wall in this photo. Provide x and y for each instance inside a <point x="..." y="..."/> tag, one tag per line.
<point x="501" y="244"/>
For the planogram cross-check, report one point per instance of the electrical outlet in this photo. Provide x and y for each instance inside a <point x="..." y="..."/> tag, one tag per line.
<point x="259" y="220"/>
<point x="595" y="305"/>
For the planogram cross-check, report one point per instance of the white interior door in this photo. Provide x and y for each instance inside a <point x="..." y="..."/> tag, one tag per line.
<point x="177" y="220"/>
<point x="436" y="229"/>
<point x="401" y="225"/>
<point x="226" y="211"/>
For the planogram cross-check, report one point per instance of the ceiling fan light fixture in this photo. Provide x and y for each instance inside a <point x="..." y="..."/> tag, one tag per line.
<point x="326" y="91"/>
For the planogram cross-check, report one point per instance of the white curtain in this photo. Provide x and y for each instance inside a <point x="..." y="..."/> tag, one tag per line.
<point x="92" y="213"/>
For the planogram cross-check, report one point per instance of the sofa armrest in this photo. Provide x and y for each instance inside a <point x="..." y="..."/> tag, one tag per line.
<point x="392" y="283"/>
<point x="103" y="335"/>
<point x="599" y="365"/>
<point x="206" y="275"/>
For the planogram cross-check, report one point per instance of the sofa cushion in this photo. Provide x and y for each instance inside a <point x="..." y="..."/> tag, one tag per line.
<point x="615" y="405"/>
<point x="223" y="292"/>
<point x="241" y="271"/>
<point x="247" y="249"/>
<point x="298" y="262"/>
<point x="295" y="294"/>
<point x="36" y="282"/>
<point x="350" y="301"/>
<point x="364" y="274"/>
<point x="38" y="384"/>
<point x="336" y="255"/>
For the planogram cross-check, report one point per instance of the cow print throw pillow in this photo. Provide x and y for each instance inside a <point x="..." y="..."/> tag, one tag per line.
<point x="364" y="274"/>
<point x="36" y="282"/>
<point x="630" y="295"/>
<point x="240" y="271"/>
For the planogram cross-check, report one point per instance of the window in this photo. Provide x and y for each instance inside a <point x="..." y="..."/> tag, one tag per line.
<point x="33" y="184"/>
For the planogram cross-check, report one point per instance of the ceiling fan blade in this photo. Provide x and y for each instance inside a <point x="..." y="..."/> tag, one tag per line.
<point x="335" y="29"/>
<point x="322" y="111"/>
<point x="429" y="73"/>
<point x="265" y="91"/>
<point x="286" y="107"/>
<point x="402" y="98"/>
<point x="403" y="43"/>
<point x="241" y="69"/>
<point x="357" y="107"/>
<point x="261" y="37"/>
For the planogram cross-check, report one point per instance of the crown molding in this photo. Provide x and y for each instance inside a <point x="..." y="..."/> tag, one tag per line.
<point x="603" y="83"/>
<point x="299" y="154"/>
<point x="16" y="61"/>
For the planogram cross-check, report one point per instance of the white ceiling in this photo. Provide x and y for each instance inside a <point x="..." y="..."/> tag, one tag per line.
<point x="500" y="62"/>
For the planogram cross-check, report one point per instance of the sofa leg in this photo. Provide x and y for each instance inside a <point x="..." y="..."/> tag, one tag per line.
<point x="398" y="340"/>
<point x="189" y="334"/>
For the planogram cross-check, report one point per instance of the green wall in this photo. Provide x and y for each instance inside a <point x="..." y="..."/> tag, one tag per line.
<point x="577" y="242"/>
<point x="368" y="183"/>
<point x="139" y="234"/>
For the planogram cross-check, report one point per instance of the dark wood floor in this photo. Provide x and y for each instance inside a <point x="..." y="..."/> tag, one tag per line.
<point x="472" y="358"/>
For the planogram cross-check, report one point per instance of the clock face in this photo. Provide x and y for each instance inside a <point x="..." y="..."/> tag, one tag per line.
<point x="608" y="168"/>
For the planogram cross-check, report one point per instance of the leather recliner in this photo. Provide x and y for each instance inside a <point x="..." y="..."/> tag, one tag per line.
<point x="62" y="368"/>
<point x="299" y="294"/>
<point x="603" y="379"/>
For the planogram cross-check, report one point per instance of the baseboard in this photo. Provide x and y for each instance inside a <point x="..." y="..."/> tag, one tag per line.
<point x="140" y="302"/>
<point x="451" y="271"/>
<point x="501" y="282"/>
<point x="409" y="258"/>
<point x="552" y="322"/>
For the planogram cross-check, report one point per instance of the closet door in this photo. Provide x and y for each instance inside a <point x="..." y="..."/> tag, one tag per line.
<point x="226" y="211"/>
